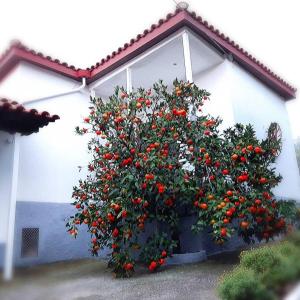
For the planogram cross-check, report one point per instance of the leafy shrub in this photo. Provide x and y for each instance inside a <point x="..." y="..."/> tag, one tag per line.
<point x="294" y="238"/>
<point x="157" y="248"/>
<point x="260" y="260"/>
<point x="280" y="275"/>
<point x="243" y="284"/>
<point x="290" y="254"/>
<point x="153" y="152"/>
<point x="274" y="267"/>
<point x="289" y="210"/>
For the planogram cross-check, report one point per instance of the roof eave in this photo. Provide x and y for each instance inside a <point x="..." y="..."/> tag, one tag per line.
<point x="247" y="61"/>
<point x="151" y="37"/>
<point x="136" y="48"/>
<point x="212" y="36"/>
<point x="15" y="118"/>
<point x="16" y="55"/>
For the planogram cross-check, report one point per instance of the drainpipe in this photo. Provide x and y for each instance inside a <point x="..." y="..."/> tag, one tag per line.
<point x="78" y="89"/>
<point x="9" y="248"/>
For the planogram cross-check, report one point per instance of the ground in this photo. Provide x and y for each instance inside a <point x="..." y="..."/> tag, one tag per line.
<point x="91" y="280"/>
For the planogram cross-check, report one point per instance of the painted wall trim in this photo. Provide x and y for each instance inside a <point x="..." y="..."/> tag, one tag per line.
<point x="65" y="93"/>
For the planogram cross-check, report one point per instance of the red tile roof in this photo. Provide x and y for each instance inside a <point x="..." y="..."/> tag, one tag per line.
<point x="144" y="41"/>
<point x="14" y="117"/>
<point x="19" y="52"/>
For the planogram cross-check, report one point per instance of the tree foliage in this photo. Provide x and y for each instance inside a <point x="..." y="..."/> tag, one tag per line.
<point x="154" y="153"/>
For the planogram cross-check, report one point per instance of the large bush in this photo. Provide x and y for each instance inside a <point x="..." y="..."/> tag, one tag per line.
<point x="153" y="153"/>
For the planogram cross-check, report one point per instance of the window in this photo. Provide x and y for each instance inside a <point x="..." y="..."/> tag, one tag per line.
<point x="275" y="138"/>
<point x="30" y="242"/>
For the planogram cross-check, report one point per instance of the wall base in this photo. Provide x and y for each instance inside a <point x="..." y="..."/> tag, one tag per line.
<point x="55" y="243"/>
<point x="187" y="258"/>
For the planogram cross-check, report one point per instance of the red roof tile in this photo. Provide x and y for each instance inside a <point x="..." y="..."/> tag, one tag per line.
<point x="14" y="117"/>
<point x="19" y="52"/>
<point x="144" y="41"/>
<point x="173" y="22"/>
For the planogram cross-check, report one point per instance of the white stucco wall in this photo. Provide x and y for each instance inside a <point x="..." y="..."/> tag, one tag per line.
<point x="217" y="81"/>
<point x="49" y="159"/>
<point x="27" y="82"/>
<point x="237" y="96"/>
<point x="253" y="102"/>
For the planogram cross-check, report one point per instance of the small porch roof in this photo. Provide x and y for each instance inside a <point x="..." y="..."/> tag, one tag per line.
<point x="15" y="118"/>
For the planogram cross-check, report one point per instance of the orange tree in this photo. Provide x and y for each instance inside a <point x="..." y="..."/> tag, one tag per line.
<point x="154" y="152"/>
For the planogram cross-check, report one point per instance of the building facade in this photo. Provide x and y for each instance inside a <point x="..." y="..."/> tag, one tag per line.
<point x="180" y="46"/>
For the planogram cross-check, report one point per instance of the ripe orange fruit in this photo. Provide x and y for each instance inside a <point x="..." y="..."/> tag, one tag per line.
<point x="234" y="157"/>
<point x="223" y="232"/>
<point x="229" y="193"/>
<point x="244" y="224"/>
<point x="206" y="155"/>
<point x="258" y="150"/>
<point x="178" y="92"/>
<point x="242" y="199"/>
<point x="203" y="206"/>
<point x="263" y="180"/>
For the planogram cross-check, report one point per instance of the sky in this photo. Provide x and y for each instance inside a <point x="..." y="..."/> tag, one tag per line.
<point x="82" y="32"/>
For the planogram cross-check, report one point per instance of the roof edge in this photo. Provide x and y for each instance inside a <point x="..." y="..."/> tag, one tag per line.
<point x="150" y="37"/>
<point x="14" y="117"/>
<point x="18" y="52"/>
<point x="250" y="63"/>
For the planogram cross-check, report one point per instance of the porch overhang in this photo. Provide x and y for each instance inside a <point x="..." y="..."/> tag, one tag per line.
<point x="15" y="118"/>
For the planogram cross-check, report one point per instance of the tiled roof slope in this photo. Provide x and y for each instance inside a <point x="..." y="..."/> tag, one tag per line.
<point x="14" y="117"/>
<point x="144" y="41"/>
<point x="18" y="52"/>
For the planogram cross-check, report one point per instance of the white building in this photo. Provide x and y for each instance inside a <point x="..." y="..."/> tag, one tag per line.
<point x="39" y="174"/>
